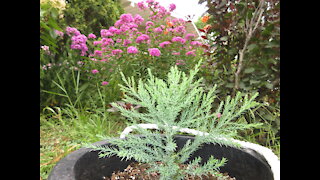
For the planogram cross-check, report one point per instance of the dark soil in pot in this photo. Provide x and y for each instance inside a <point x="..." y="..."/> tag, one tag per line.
<point x="137" y="171"/>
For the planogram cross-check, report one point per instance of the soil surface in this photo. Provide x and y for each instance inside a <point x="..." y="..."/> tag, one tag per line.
<point x="137" y="171"/>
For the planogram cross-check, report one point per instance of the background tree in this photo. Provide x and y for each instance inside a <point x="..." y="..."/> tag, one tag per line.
<point x="244" y="51"/>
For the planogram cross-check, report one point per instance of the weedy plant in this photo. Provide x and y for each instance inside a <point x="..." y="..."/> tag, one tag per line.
<point x="180" y="102"/>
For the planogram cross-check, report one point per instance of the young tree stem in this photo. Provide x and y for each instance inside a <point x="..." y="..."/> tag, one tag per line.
<point x="250" y="28"/>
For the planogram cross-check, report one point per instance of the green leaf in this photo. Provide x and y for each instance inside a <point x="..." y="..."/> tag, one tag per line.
<point x="269" y="86"/>
<point x="253" y="81"/>
<point x="252" y="47"/>
<point x="249" y="70"/>
<point x="224" y="38"/>
<point x="229" y="85"/>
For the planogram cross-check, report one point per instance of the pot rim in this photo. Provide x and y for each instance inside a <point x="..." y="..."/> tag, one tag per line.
<point x="264" y="154"/>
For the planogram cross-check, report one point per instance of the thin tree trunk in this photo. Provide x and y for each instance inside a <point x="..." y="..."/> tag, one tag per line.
<point x="250" y="27"/>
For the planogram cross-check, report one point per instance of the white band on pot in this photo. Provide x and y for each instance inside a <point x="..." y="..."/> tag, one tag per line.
<point x="267" y="153"/>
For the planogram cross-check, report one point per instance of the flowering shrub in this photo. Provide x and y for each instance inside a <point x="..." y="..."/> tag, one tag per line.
<point x="134" y="44"/>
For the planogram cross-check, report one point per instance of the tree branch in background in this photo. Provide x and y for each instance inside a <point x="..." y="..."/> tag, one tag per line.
<point x="249" y="28"/>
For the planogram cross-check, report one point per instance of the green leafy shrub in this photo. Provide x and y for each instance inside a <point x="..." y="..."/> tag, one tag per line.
<point x="172" y="104"/>
<point x="244" y="39"/>
<point x="90" y="16"/>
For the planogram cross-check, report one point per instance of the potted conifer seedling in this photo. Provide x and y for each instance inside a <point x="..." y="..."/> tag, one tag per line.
<point x="176" y="136"/>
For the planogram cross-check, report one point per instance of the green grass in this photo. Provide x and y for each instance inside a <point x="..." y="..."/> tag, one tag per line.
<point x="61" y="134"/>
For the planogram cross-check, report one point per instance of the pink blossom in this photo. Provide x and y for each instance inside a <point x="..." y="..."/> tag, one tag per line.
<point x="98" y="53"/>
<point x="172" y="7"/>
<point x="178" y="39"/>
<point x="112" y="29"/>
<point x="45" y="48"/>
<point x="196" y="43"/>
<point x="80" y="63"/>
<point x="79" y="42"/>
<point x="176" y="53"/>
<point x="105" y="33"/>
<point x="142" y="37"/>
<point x="141" y="5"/>
<point x="126" y="18"/>
<point x="138" y="19"/>
<point x="165" y="43"/>
<point x="162" y="12"/>
<point x="154" y="52"/>
<point x="72" y="31"/>
<point x="116" y="51"/>
<point x="118" y="23"/>
<point x="107" y="41"/>
<point x="134" y="29"/>
<point x="150" y="2"/>
<point x="97" y="42"/>
<point x="92" y="36"/>
<point x="190" y="36"/>
<point x="190" y="53"/>
<point x="78" y="39"/>
<point x="157" y="30"/>
<point x="126" y="42"/>
<point x="124" y="28"/>
<point x="132" y="50"/>
<point x="149" y="23"/>
<point x="94" y="71"/>
<point x="119" y="40"/>
<point x="180" y="62"/>
<point x="180" y="29"/>
<point x="104" y="83"/>
<point x="59" y="33"/>
<point x="218" y="115"/>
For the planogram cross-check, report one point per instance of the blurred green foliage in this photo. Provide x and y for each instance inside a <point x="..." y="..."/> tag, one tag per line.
<point x="90" y="16"/>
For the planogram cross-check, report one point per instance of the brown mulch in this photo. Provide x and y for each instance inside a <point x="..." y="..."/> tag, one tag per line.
<point x="137" y="171"/>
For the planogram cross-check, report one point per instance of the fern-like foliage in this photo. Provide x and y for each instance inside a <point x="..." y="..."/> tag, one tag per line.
<point x="182" y="102"/>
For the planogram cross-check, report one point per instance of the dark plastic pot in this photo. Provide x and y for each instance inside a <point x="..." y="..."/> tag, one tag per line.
<point x="83" y="164"/>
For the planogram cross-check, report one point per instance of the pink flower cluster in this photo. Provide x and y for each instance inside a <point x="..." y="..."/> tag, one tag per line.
<point x="142" y="38"/>
<point x="72" y="31"/>
<point x="92" y="36"/>
<point x="116" y="51"/>
<point x="59" y="33"/>
<point x="180" y="62"/>
<point x="127" y="40"/>
<point x="45" y="48"/>
<point x="196" y="43"/>
<point x="104" y="83"/>
<point x="79" y="42"/>
<point x="172" y="7"/>
<point x="190" y="36"/>
<point x="178" y="39"/>
<point x="165" y="43"/>
<point x="158" y="11"/>
<point x="154" y="52"/>
<point x="190" y="53"/>
<point x="132" y="50"/>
